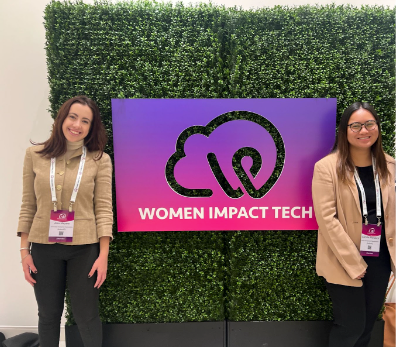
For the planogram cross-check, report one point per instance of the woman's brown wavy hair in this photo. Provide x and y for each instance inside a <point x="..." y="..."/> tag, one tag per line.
<point x="345" y="166"/>
<point x="96" y="139"/>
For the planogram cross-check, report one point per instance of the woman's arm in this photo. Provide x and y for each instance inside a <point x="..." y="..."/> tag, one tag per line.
<point x="103" y="207"/>
<point x="29" y="206"/>
<point x="103" y="202"/>
<point x="28" y="209"/>
<point x="100" y="264"/>
<point x="26" y="259"/>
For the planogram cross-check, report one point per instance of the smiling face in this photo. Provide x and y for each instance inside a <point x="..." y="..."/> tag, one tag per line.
<point x="77" y="123"/>
<point x="363" y="139"/>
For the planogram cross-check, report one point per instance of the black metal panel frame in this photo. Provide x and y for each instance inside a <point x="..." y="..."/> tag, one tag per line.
<point x="219" y="334"/>
<point x="192" y="334"/>
<point x="289" y="334"/>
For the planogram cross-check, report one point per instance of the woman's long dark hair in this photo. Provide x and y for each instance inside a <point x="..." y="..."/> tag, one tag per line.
<point x="95" y="140"/>
<point x="345" y="165"/>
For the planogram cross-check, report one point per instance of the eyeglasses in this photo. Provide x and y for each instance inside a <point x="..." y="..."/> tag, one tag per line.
<point x="369" y="125"/>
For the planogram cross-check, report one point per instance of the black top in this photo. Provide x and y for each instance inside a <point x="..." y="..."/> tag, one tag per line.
<point x="367" y="177"/>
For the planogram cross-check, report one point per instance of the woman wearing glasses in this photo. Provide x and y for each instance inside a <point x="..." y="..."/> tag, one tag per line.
<point x="66" y="218"/>
<point x="354" y="204"/>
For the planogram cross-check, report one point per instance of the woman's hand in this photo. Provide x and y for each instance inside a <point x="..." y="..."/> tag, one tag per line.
<point x="361" y="275"/>
<point x="100" y="265"/>
<point x="28" y="267"/>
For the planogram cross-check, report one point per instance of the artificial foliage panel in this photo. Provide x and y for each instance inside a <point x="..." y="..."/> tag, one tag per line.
<point x="154" y="50"/>
<point x="317" y="52"/>
<point x="272" y="277"/>
<point x="165" y="277"/>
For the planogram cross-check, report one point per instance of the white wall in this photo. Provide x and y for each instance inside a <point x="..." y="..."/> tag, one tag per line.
<point x="23" y="114"/>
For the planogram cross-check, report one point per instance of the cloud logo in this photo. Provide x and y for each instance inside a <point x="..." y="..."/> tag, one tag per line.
<point x="237" y="158"/>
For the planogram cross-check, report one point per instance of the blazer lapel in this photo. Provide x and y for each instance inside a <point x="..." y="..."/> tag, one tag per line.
<point x="385" y="193"/>
<point x="353" y="187"/>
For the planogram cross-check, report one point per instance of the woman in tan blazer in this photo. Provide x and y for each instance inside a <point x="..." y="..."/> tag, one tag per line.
<point x="355" y="266"/>
<point x="67" y="179"/>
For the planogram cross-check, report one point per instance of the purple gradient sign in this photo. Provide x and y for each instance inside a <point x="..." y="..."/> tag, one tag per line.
<point x="218" y="164"/>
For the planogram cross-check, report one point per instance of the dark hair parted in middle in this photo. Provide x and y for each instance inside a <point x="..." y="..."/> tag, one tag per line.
<point x="95" y="141"/>
<point x="341" y="145"/>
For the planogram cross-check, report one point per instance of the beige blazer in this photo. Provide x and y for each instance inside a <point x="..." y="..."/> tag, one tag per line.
<point x="93" y="206"/>
<point x="338" y="214"/>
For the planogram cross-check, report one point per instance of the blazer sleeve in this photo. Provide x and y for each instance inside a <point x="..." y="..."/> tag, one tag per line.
<point x="103" y="205"/>
<point x="325" y="206"/>
<point x="29" y="206"/>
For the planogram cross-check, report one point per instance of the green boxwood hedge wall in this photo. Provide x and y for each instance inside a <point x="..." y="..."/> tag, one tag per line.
<point x="154" y="50"/>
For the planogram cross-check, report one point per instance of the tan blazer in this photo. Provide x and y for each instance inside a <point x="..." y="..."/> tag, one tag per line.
<point x="93" y="206"/>
<point x="338" y="214"/>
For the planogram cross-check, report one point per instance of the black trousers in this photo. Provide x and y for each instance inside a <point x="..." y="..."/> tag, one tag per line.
<point x="57" y="264"/>
<point x="355" y="309"/>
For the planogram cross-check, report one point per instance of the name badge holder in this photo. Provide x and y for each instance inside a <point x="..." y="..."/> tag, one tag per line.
<point x="62" y="221"/>
<point x="371" y="233"/>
